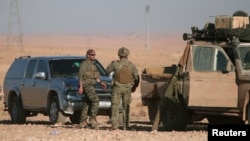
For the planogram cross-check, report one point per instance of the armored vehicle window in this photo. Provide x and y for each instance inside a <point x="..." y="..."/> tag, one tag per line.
<point x="208" y="59"/>
<point x="245" y="57"/>
<point x="30" y="69"/>
<point x="202" y="58"/>
<point x="220" y="62"/>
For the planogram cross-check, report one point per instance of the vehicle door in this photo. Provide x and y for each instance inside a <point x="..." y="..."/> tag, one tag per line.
<point x="212" y="83"/>
<point x="34" y="89"/>
<point x="41" y="85"/>
<point x="27" y="85"/>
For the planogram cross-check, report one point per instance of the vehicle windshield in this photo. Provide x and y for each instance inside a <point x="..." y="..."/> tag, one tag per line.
<point x="244" y="53"/>
<point x="70" y="67"/>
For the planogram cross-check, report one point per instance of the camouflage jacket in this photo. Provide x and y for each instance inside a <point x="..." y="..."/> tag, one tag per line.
<point x="114" y="66"/>
<point x="88" y="72"/>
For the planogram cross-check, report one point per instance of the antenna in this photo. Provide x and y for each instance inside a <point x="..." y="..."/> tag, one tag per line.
<point x="15" y="37"/>
<point x="147" y="27"/>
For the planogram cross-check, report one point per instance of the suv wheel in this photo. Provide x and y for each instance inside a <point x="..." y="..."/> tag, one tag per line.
<point x="75" y="118"/>
<point x="55" y="115"/>
<point x="17" y="113"/>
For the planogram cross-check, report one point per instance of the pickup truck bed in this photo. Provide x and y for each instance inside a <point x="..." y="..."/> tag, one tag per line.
<point x="153" y="85"/>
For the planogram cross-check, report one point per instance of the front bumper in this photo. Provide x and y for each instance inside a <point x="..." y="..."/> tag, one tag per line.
<point x="71" y="103"/>
<point x="75" y="102"/>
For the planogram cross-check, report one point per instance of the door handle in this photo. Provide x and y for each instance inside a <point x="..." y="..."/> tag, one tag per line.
<point x="33" y="83"/>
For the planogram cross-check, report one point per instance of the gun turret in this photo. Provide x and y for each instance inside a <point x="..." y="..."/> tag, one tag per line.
<point x="225" y="28"/>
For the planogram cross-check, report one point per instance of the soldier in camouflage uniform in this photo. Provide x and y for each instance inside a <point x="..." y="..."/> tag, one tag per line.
<point x="88" y="76"/>
<point x="122" y="91"/>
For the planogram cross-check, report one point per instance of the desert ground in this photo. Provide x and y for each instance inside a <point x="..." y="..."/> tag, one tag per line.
<point x="164" y="50"/>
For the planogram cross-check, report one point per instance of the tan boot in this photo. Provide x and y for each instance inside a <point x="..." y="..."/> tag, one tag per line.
<point x="93" y="121"/>
<point x="114" y="128"/>
<point x="83" y="124"/>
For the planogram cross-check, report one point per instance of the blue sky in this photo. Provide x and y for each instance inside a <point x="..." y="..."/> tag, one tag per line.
<point x="115" y="16"/>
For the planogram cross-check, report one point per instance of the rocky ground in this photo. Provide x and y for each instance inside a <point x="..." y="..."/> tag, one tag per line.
<point x="38" y="129"/>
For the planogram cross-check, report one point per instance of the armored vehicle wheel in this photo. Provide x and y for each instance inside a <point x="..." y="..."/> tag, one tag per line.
<point x="152" y="110"/>
<point x="55" y="115"/>
<point x="183" y="117"/>
<point x="248" y="113"/>
<point x="174" y="115"/>
<point x="75" y="118"/>
<point x="169" y="114"/>
<point x="17" y="113"/>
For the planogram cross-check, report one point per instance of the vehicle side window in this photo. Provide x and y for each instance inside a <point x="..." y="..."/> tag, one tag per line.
<point x="209" y="59"/>
<point x="42" y="67"/>
<point x="203" y="58"/>
<point x="220" y="61"/>
<point x="244" y="53"/>
<point x="246" y="61"/>
<point x="30" y="69"/>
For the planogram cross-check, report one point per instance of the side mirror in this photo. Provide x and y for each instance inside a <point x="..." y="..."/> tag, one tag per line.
<point x="111" y="75"/>
<point x="40" y="75"/>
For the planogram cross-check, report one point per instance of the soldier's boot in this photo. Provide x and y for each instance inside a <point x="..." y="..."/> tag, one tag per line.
<point x="83" y="124"/>
<point x="93" y="122"/>
<point x="114" y="128"/>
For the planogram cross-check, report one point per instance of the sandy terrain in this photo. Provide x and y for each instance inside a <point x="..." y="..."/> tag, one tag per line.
<point x="164" y="50"/>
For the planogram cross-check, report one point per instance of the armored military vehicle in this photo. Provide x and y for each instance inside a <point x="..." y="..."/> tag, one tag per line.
<point x="211" y="80"/>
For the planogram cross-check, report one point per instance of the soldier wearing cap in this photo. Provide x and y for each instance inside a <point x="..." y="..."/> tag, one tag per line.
<point x="121" y="89"/>
<point x="88" y="76"/>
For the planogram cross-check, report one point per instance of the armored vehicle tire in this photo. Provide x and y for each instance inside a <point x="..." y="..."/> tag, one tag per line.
<point x="174" y="115"/>
<point x="152" y="110"/>
<point x="75" y="118"/>
<point x="183" y="117"/>
<point x="55" y="115"/>
<point x="248" y="113"/>
<point x="17" y="113"/>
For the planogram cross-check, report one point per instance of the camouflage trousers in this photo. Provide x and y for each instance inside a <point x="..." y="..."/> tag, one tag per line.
<point x="120" y="95"/>
<point x="91" y="103"/>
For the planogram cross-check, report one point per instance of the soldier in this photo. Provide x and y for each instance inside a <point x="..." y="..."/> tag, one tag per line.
<point x="88" y="76"/>
<point x="126" y="79"/>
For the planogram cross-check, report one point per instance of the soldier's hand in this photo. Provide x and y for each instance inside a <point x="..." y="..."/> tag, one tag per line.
<point x="104" y="85"/>
<point x="80" y="90"/>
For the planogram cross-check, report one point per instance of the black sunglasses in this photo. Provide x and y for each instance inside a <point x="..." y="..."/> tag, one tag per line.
<point x="92" y="54"/>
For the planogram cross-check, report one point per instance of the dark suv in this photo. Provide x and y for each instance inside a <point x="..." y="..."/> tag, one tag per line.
<point x="49" y="85"/>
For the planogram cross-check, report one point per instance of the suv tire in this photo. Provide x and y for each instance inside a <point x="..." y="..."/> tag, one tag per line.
<point x="17" y="113"/>
<point x="55" y="115"/>
<point x="75" y="118"/>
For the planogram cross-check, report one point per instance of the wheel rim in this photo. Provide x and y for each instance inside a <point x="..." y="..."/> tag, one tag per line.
<point x="14" y="111"/>
<point x="53" y="112"/>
